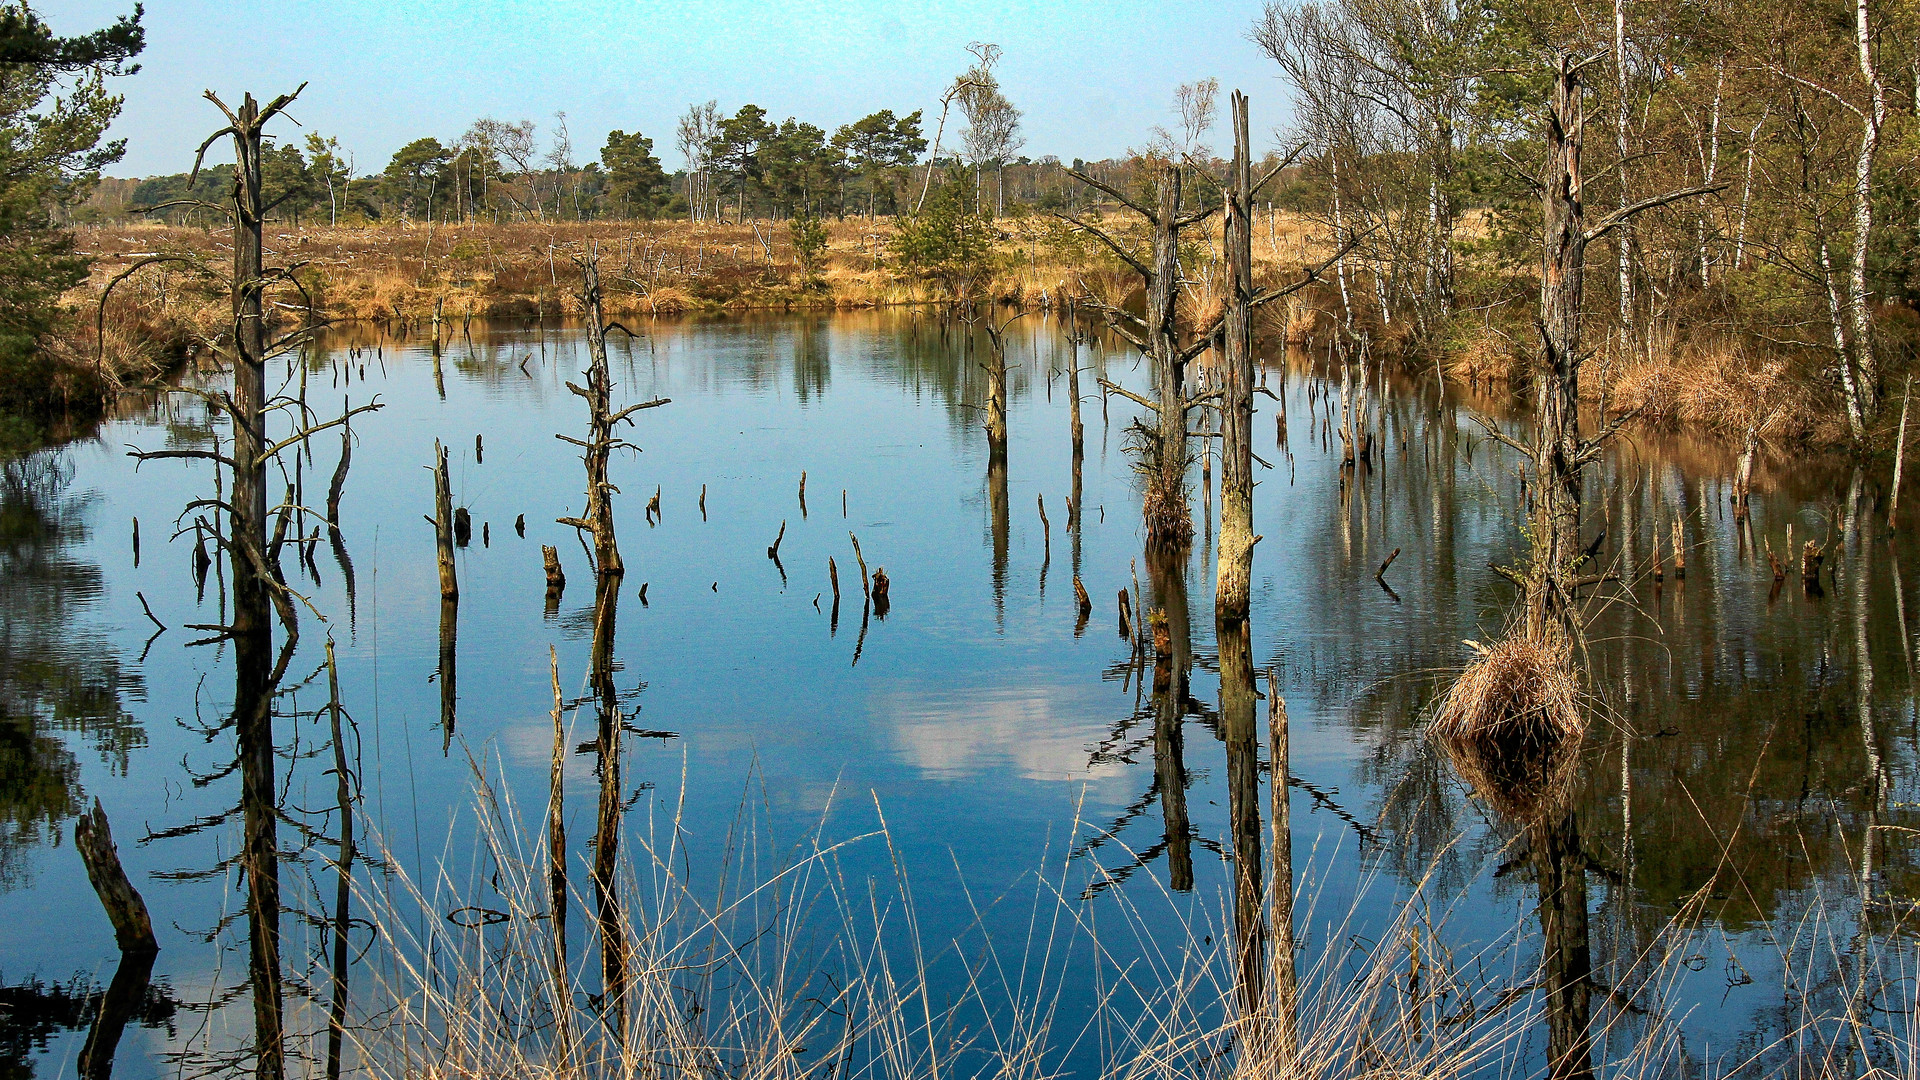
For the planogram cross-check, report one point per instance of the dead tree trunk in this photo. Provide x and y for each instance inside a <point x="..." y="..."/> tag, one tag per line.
<point x="253" y="585"/>
<point x="602" y="420"/>
<point x="1235" y="563"/>
<point x="1558" y="452"/>
<point x="132" y="928"/>
<point x="1168" y="518"/>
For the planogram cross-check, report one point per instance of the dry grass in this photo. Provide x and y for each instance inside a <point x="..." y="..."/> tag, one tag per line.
<point x="1518" y="693"/>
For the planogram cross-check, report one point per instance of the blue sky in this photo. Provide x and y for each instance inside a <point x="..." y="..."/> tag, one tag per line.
<point x="1092" y="78"/>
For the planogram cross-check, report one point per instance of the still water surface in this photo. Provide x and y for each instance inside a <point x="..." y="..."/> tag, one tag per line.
<point x="1746" y="740"/>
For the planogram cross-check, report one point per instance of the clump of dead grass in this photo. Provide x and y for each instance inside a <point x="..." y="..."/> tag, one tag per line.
<point x="1519" y="691"/>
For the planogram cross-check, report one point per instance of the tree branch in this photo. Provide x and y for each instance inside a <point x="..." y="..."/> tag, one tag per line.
<point x="1621" y="216"/>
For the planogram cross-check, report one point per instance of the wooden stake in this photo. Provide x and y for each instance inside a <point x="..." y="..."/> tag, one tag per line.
<point x="866" y="587"/>
<point x="1380" y="574"/>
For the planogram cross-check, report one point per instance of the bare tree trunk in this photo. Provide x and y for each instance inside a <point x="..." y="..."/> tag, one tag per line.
<point x="1235" y="567"/>
<point x="1557" y="448"/>
<point x="1865" y="364"/>
<point x="1172" y="521"/>
<point x="251" y="628"/>
<point x="1622" y="243"/>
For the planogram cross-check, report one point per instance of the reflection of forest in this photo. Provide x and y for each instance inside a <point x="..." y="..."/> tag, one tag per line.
<point x="35" y="1012"/>
<point x="58" y="679"/>
<point x="1742" y="746"/>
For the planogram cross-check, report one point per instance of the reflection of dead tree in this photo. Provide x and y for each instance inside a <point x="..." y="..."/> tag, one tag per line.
<point x="257" y="588"/>
<point x="609" y="569"/>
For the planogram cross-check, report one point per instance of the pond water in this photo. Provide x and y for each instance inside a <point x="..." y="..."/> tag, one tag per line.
<point x="1740" y="814"/>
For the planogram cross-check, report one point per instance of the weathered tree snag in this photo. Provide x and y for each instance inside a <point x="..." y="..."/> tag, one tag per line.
<point x="520" y="526"/>
<point x="253" y="587"/>
<point x="1126" y="615"/>
<point x="443" y="524"/>
<point x="866" y="586"/>
<point x="803" y="494"/>
<point x="773" y="549"/>
<point x="1285" y="1032"/>
<point x="996" y="368"/>
<point x="556" y="577"/>
<point x="93" y="839"/>
<point x="601" y="441"/>
<point x="1074" y="427"/>
<point x="1235" y="565"/>
<point x="1559" y="453"/>
<point x="136" y="543"/>
<point x="462" y="527"/>
<point x="882" y="586"/>
<point x="1046" y="527"/>
<point x="1743" y="480"/>
<point x="1081" y="600"/>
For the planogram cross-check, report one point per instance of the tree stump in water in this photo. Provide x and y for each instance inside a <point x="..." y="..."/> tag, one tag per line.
<point x="1162" y="635"/>
<point x="1126" y="614"/>
<point x="880" y="587"/>
<point x="1081" y="598"/>
<point x="132" y="927"/>
<point x="462" y="527"/>
<point x="556" y="578"/>
<point x="520" y="526"/>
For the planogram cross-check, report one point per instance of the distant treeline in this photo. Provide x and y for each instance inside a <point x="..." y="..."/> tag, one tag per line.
<point x="742" y="166"/>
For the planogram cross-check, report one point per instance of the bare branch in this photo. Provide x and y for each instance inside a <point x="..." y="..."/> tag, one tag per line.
<point x="1621" y="216"/>
<point x="1122" y="199"/>
<point x="1125" y="393"/>
<point x="1101" y="235"/>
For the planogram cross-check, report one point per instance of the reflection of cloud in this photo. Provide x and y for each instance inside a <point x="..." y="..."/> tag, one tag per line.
<point x="1041" y="732"/>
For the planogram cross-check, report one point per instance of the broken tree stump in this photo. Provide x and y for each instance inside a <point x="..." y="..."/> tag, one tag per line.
<point x="132" y="927"/>
<point x="556" y="578"/>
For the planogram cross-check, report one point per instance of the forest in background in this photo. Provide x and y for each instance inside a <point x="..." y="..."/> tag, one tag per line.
<point x="1774" y="303"/>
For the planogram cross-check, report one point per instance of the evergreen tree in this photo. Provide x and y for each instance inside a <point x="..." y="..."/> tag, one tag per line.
<point x="54" y="112"/>
<point x="636" y="184"/>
